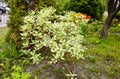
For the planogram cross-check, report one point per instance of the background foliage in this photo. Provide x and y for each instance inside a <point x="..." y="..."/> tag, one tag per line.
<point x="93" y="8"/>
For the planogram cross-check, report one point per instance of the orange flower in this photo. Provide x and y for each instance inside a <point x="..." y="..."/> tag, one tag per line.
<point x="85" y="15"/>
<point x="88" y="17"/>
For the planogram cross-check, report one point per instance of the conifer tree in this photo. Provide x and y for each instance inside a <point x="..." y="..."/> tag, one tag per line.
<point x="18" y="9"/>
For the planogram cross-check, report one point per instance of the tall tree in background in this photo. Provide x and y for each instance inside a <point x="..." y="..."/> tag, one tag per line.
<point x="113" y="9"/>
<point x="18" y="9"/>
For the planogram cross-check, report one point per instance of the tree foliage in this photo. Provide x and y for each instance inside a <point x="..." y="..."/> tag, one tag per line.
<point x="16" y="14"/>
<point x="94" y="8"/>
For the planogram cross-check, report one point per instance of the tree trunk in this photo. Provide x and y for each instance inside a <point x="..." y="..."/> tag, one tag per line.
<point x="106" y="26"/>
<point x="113" y="9"/>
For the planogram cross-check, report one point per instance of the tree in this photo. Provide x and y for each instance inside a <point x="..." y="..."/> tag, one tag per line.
<point x="113" y="9"/>
<point x="16" y="14"/>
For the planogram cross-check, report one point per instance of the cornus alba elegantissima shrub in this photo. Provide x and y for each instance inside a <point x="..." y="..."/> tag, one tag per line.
<point x="46" y="35"/>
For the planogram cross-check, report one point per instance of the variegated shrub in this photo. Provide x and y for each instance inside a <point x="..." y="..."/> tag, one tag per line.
<point x="56" y="38"/>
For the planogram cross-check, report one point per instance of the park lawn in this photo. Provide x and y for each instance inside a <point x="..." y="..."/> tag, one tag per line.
<point x="104" y="54"/>
<point x="3" y="32"/>
<point x="109" y="48"/>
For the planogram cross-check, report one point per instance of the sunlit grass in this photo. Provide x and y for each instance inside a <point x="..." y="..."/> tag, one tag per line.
<point x="3" y="32"/>
<point x="104" y="54"/>
<point x="108" y="49"/>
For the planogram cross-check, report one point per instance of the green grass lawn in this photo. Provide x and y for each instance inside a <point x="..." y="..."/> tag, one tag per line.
<point x="3" y="32"/>
<point x="105" y="54"/>
<point x="109" y="48"/>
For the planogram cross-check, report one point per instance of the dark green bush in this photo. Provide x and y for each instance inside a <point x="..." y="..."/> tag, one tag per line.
<point x="94" y="8"/>
<point x="16" y="14"/>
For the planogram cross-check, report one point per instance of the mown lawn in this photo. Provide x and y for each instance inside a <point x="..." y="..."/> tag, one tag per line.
<point x="3" y="32"/>
<point x="104" y="55"/>
<point x="109" y="48"/>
